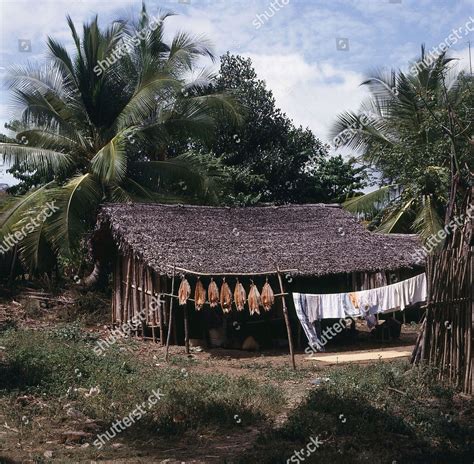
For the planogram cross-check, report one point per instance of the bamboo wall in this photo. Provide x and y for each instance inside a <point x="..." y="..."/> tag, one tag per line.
<point x="447" y="335"/>
<point x="134" y="286"/>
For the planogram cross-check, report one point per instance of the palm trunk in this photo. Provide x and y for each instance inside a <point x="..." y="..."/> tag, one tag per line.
<point x="97" y="277"/>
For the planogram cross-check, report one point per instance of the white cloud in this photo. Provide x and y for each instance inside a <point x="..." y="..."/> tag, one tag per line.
<point x="294" y="51"/>
<point x="311" y="94"/>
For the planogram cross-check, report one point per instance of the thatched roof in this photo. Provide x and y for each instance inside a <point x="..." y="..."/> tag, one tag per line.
<point x="314" y="239"/>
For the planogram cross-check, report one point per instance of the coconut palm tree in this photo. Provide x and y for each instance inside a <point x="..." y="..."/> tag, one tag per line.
<point x="411" y="130"/>
<point x="98" y="125"/>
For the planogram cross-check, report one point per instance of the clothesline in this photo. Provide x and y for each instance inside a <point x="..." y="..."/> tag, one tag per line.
<point x="365" y="303"/>
<point x="357" y="304"/>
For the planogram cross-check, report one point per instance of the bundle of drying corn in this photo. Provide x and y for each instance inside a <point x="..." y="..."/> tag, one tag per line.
<point x="184" y="291"/>
<point x="226" y="297"/>
<point x="254" y="300"/>
<point x="268" y="297"/>
<point x="199" y="295"/>
<point x="239" y="296"/>
<point x="213" y="294"/>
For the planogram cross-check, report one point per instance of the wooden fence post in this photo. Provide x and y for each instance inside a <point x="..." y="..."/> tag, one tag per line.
<point x="170" y="322"/>
<point x="287" y="319"/>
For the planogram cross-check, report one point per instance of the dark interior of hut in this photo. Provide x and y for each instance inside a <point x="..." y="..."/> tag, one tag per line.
<point x="239" y="330"/>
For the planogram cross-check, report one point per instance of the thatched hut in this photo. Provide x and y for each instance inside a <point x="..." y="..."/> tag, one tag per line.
<point x="313" y="248"/>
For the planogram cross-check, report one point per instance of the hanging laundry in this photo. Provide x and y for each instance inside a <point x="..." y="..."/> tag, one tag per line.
<point x="302" y="306"/>
<point x="311" y="308"/>
<point x="354" y="299"/>
<point x="355" y="304"/>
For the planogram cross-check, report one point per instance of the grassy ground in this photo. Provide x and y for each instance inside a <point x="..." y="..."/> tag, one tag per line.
<point x="56" y="373"/>
<point x="57" y="395"/>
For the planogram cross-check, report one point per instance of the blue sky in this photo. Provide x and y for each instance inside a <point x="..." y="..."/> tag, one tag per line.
<point x="293" y="43"/>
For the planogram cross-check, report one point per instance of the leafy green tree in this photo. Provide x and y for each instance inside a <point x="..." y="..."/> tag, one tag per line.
<point x="269" y="158"/>
<point x="412" y="131"/>
<point x="97" y="125"/>
<point x="337" y="179"/>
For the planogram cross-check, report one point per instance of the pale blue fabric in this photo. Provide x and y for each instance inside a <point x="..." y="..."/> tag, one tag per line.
<point x="301" y="307"/>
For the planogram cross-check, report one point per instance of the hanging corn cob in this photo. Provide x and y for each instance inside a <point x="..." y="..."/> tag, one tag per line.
<point x="213" y="294"/>
<point x="184" y="292"/>
<point x="226" y="297"/>
<point x="267" y="296"/>
<point x="239" y="296"/>
<point x="254" y="300"/>
<point x="199" y="295"/>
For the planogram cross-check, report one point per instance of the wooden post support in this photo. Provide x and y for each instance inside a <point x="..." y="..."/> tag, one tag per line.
<point x="159" y="310"/>
<point x="170" y="321"/>
<point x="186" y="327"/>
<point x="287" y="319"/>
<point x="161" y="313"/>
<point x="126" y="299"/>
<point x="117" y="306"/>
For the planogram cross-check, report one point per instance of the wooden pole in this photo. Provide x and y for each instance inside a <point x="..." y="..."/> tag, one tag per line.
<point x="141" y="304"/>
<point x="149" y="285"/>
<point x="157" y="315"/>
<point x="186" y="327"/>
<point x="170" y="321"/>
<point x="224" y="274"/>
<point x="127" y="289"/>
<point x="161" y="318"/>
<point x="117" y="307"/>
<point x="134" y="291"/>
<point x="287" y="320"/>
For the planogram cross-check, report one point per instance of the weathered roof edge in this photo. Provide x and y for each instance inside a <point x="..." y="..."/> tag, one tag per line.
<point x="104" y="219"/>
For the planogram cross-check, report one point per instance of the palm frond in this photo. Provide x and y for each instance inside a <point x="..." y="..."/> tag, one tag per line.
<point x="77" y="202"/>
<point x="17" y="208"/>
<point x="396" y="215"/>
<point x="357" y="131"/>
<point x="371" y="203"/>
<point x="191" y="173"/>
<point x="428" y="221"/>
<point x="142" y="103"/>
<point x="185" y="49"/>
<point x="110" y="163"/>
<point x="34" y="250"/>
<point x="36" y="159"/>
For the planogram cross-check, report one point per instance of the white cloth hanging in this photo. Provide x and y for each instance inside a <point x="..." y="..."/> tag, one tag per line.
<point x="358" y="304"/>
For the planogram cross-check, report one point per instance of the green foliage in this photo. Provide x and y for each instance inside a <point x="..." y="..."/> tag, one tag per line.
<point x="61" y="364"/>
<point x="269" y="158"/>
<point x="337" y="179"/>
<point x="89" y="135"/>
<point x="415" y="130"/>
